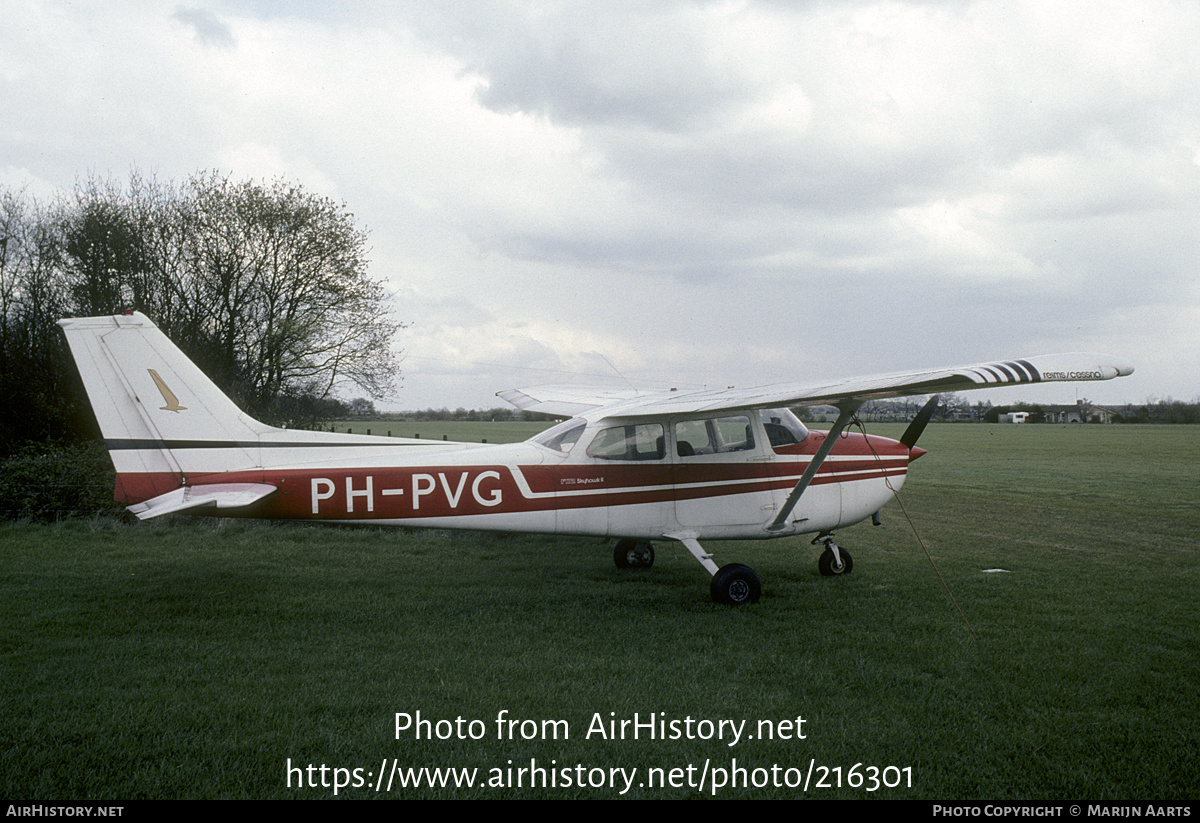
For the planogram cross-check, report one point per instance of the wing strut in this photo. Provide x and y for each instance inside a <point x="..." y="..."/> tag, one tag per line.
<point x="847" y="408"/>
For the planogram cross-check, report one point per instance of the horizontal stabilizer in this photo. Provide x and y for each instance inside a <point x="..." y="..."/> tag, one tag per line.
<point x="216" y="495"/>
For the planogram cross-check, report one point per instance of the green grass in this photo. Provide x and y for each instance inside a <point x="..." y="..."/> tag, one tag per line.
<point x="195" y="658"/>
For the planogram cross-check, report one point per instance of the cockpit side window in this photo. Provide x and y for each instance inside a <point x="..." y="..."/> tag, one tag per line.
<point x="692" y="438"/>
<point x="715" y="435"/>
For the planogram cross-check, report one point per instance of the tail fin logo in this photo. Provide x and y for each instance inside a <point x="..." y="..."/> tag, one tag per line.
<point x="168" y="395"/>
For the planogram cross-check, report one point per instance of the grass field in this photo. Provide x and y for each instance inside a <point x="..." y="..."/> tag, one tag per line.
<point x="197" y="658"/>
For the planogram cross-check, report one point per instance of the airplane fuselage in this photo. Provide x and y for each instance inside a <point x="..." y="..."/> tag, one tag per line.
<point x="530" y="487"/>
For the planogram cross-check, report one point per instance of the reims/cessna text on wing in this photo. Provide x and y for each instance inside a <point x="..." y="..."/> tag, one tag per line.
<point x="635" y="466"/>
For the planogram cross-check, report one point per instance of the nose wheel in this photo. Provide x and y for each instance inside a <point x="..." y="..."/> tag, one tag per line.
<point x="834" y="561"/>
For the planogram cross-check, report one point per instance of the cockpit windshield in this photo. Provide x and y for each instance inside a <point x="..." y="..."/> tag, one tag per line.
<point x="563" y="437"/>
<point x="783" y="428"/>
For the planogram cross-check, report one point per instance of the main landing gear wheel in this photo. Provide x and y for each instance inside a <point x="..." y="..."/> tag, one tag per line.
<point x="735" y="585"/>
<point x="633" y="554"/>
<point x="828" y="562"/>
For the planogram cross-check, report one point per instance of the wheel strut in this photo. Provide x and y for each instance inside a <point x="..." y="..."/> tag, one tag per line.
<point x="732" y="584"/>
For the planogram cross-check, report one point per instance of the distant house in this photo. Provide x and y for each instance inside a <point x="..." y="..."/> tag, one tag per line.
<point x="1082" y="412"/>
<point x="821" y="414"/>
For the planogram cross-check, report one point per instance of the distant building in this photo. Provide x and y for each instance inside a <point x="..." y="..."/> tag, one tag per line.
<point x="1014" y="417"/>
<point x="1082" y="412"/>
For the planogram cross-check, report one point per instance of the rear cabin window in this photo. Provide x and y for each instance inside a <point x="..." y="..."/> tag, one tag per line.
<point x="634" y="441"/>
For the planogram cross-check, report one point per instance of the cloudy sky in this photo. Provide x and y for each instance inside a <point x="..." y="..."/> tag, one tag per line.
<point x="681" y="193"/>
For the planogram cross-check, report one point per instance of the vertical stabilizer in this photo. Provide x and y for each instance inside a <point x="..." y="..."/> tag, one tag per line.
<point x="161" y="417"/>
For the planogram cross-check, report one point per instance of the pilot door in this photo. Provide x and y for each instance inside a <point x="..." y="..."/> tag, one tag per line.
<point x="722" y="472"/>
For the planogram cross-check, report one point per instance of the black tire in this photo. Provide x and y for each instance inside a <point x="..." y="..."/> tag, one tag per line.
<point x="735" y="585"/>
<point x="827" y="567"/>
<point x="633" y="554"/>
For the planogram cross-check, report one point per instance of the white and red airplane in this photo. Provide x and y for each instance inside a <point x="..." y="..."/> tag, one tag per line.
<point x="635" y="466"/>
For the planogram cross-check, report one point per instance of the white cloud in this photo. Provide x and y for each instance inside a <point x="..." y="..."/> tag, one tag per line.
<point x="727" y="192"/>
<point x="206" y="27"/>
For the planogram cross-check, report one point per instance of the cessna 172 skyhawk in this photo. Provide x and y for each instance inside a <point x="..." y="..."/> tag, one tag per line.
<point x="635" y="466"/>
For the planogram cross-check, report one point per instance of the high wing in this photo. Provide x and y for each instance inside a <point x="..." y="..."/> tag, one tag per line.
<point x="569" y="401"/>
<point x="575" y="400"/>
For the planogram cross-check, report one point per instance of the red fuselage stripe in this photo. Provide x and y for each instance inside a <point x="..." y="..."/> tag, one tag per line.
<point x="441" y="491"/>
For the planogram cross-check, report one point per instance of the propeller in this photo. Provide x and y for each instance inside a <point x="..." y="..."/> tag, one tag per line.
<point x="913" y="432"/>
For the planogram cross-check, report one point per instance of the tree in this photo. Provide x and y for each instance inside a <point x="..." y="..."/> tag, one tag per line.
<point x="280" y="299"/>
<point x="99" y="250"/>
<point x="361" y="407"/>
<point x="36" y="381"/>
<point x="264" y="285"/>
